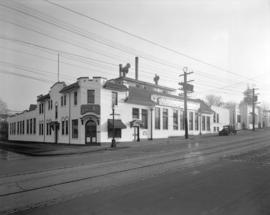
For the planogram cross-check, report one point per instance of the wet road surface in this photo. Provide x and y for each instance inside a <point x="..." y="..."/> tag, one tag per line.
<point x="214" y="175"/>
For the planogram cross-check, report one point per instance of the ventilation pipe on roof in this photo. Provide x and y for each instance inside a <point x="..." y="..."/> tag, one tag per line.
<point x="120" y="70"/>
<point x="136" y="67"/>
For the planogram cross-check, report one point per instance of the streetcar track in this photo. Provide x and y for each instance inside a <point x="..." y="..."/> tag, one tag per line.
<point x="135" y="168"/>
<point x="222" y="144"/>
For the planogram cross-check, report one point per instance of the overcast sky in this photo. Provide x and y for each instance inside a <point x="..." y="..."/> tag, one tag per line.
<point x="226" y="43"/>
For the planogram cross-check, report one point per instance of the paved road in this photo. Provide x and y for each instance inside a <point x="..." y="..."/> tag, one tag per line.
<point x="150" y="178"/>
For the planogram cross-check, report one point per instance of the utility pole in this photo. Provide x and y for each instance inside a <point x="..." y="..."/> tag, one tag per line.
<point x="254" y="100"/>
<point x="113" y="145"/>
<point x="187" y="88"/>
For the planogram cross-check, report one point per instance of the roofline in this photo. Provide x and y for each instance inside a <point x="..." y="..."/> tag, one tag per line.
<point x="146" y="83"/>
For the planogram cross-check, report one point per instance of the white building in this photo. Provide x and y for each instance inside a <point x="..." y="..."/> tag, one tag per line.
<point x="246" y="113"/>
<point x="266" y="118"/>
<point x="81" y="113"/>
<point x="221" y="117"/>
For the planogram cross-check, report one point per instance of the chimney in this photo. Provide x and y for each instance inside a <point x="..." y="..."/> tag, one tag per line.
<point x="136" y="67"/>
<point x="120" y="70"/>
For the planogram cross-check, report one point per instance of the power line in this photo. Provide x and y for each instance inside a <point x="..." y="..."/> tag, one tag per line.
<point x="25" y="76"/>
<point x="55" y="50"/>
<point x="97" y="39"/>
<point x="138" y="37"/>
<point x="55" y="38"/>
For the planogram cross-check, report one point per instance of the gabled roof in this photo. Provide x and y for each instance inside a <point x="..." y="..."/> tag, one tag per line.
<point x="41" y="98"/>
<point x="139" y="96"/>
<point x="70" y="87"/>
<point x="204" y="108"/>
<point x="120" y="79"/>
<point x="32" y="107"/>
<point x="112" y="85"/>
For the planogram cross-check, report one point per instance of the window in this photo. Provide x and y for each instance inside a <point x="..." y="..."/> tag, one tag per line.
<point x="217" y="118"/>
<point x="41" y="108"/>
<point x="144" y="119"/>
<point x="75" y="98"/>
<point x="208" y="123"/>
<point x="74" y="128"/>
<point x="214" y="117"/>
<point x="196" y="121"/>
<point x="114" y="98"/>
<point x="65" y="100"/>
<point x="34" y="125"/>
<point x="203" y="123"/>
<point x="182" y="122"/>
<point x="66" y="126"/>
<point x="50" y="104"/>
<point x="157" y="118"/>
<point x="41" y="128"/>
<point x="56" y="111"/>
<point x="165" y="118"/>
<point x="27" y="126"/>
<point x="175" y="119"/>
<point x="238" y="118"/>
<point x="47" y="128"/>
<point x="62" y="100"/>
<point x="214" y="129"/>
<point x="191" y="121"/>
<point x="63" y="127"/>
<point x="31" y="126"/>
<point x="23" y="126"/>
<point x="91" y="96"/>
<point x="135" y="113"/>
<point x="18" y="128"/>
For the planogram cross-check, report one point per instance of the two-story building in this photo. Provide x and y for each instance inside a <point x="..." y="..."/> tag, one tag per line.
<point x="83" y="113"/>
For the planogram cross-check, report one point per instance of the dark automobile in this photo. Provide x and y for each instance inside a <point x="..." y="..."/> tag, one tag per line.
<point x="227" y="130"/>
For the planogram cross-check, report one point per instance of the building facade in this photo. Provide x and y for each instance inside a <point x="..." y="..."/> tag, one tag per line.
<point x="83" y="113"/>
<point x="221" y="118"/>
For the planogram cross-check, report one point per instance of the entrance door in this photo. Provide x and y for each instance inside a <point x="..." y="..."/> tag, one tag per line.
<point x="137" y="133"/>
<point x="90" y="132"/>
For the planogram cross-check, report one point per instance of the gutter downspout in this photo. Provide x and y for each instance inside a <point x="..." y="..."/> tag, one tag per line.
<point x="69" y="117"/>
<point x="44" y="110"/>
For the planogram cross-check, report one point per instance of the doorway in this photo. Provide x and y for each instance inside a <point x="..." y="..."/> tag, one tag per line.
<point x="90" y="132"/>
<point x="137" y="133"/>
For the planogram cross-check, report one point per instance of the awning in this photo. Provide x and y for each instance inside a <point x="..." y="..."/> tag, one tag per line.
<point x="117" y="124"/>
<point x="136" y="123"/>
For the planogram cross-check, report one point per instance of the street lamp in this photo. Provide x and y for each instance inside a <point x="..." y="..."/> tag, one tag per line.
<point x="151" y="134"/>
<point x="113" y="145"/>
<point x="200" y="115"/>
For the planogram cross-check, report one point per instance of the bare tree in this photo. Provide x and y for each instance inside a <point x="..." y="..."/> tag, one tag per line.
<point x="230" y="105"/>
<point x="214" y="100"/>
<point x="3" y="107"/>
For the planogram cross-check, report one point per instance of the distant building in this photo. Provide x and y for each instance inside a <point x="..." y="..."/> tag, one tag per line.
<point x="221" y="117"/>
<point x="247" y="116"/>
<point x="235" y="117"/>
<point x="266" y="118"/>
<point x="3" y="126"/>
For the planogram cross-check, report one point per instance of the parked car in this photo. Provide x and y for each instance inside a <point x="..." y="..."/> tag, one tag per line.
<point x="227" y="130"/>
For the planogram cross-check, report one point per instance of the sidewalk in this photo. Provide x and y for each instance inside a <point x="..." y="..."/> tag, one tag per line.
<point x="41" y="149"/>
<point x="47" y="149"/>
